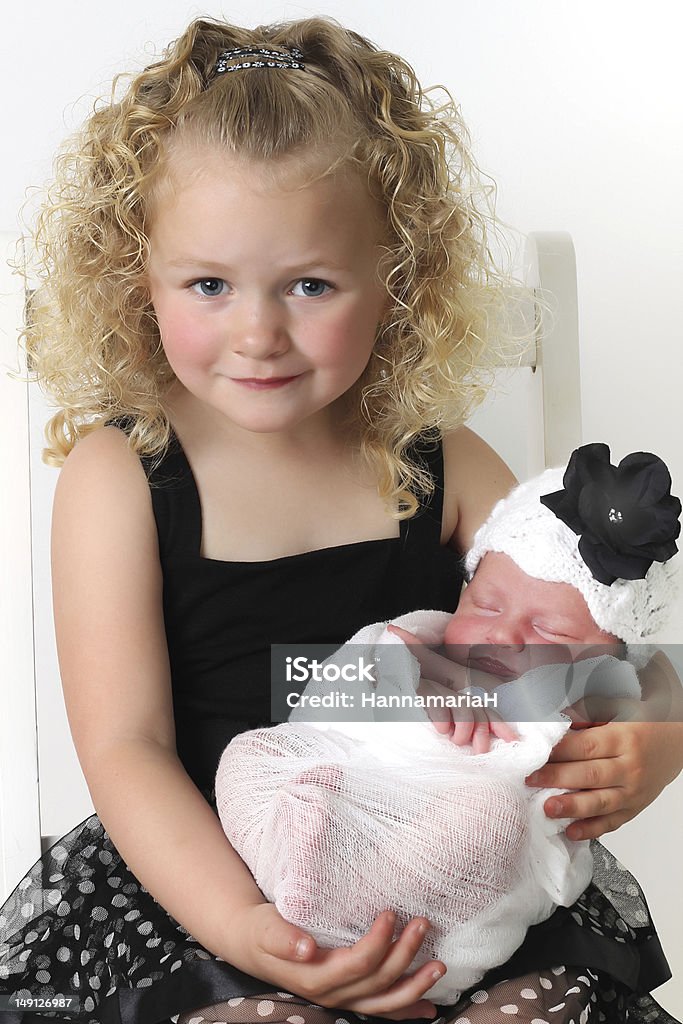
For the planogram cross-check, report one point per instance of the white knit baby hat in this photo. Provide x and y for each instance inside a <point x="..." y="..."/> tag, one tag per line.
<point x="607" y="530"/>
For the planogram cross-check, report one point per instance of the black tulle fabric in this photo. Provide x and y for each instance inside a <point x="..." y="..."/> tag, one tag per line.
<point x="80" y="923"/>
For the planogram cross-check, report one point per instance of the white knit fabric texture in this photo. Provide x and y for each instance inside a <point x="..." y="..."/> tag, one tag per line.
<point x="339" y="821"/>
<point x="544" y="547"/>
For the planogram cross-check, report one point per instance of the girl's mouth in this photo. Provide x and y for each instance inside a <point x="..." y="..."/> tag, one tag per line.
<point x="264" y="383"/>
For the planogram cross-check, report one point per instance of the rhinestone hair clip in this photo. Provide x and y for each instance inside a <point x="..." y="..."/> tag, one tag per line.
<point x="273" y="59"/>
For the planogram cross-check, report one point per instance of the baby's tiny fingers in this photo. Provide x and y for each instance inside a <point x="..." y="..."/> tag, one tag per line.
<point x="463" y="727"/>
<point x="433" y="666"/>
<point x="481" y="743"/>
<point x="503" y="730"/>
<point x="404" y="635"/>
<point x="439" y="714"/>
<point x="444" y="726"/>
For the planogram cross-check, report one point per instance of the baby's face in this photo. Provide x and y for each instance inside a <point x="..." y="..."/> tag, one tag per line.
<point x="508" y="622"/>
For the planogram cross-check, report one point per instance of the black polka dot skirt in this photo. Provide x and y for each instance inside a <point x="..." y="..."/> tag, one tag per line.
<point x="82" y="939"/>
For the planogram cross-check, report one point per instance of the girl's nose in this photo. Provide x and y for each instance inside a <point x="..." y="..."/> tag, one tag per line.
<point x="258" y="331"/>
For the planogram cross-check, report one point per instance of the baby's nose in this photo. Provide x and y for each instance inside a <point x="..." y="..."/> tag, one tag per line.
<point x="507" y="635"/>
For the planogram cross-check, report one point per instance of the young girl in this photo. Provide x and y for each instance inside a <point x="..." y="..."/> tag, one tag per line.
<point x="266" y="283"/>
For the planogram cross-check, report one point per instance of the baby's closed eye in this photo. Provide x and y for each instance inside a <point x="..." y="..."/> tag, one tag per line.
<point x="483" y="608"/>
<point x="555" y="633"/>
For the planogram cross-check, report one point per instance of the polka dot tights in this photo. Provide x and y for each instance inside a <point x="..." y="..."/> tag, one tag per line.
<point x="559" y="995"/>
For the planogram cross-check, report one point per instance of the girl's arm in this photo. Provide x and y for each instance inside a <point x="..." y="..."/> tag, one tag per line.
<point x="113" y="657"/>
<point x="475" y="479"/>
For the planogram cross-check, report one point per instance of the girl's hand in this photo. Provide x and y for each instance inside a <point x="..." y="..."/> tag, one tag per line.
<point x="445" y="677"/>
<point x="620" y="767"/>
<point x="617" y="768"/>
<point x="368" y="977"/>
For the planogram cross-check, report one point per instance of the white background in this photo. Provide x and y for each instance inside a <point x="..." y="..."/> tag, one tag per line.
<point x="574" y="109"/>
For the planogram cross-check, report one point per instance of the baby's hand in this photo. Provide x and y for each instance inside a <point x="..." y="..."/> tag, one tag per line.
<point x="368" y="977"/>
<point x="444" y="677"/>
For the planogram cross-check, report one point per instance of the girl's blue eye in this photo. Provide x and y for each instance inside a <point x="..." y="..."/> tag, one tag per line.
<point x="210" y="286"/>
<point x="311" y="285"/>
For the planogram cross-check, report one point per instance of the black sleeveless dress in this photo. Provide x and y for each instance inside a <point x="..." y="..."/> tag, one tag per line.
<point x="80" y="924"/>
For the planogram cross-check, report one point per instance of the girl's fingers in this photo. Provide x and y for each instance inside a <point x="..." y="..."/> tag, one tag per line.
<point x="589" y="804"/>
<point x="377" y="970"/>
<point x="593" y="828"/>
<point x="365" y="956"/>
<point x="584" y="775"/>
<point x="369" y="976"/>
<point x="595" y="710"/>
<point x="281" y="939"/>
<point x="403" y="1000"/>
<point x="587" y="745"/>
<point x="400" y="953"/>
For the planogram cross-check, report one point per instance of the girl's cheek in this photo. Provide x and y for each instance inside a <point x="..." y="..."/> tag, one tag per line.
<point x="184" y="339"/>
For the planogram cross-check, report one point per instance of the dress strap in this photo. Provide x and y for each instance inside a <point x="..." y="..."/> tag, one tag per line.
<point x="422" y="532"/>
<point x="429" y="571"/>
<point x="175" y="498"/>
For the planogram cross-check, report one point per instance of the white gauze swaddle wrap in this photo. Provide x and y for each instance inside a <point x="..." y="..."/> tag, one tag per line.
<point x="341" y="820"/>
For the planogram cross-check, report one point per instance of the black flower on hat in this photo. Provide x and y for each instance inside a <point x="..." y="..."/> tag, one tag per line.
<point x="625" y="515"/>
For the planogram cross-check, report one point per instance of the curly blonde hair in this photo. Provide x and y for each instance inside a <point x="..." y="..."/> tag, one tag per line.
<point x="92" y="338"/>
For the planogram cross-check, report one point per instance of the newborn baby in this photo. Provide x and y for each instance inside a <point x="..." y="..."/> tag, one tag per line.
<point x="340" y="820"/>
